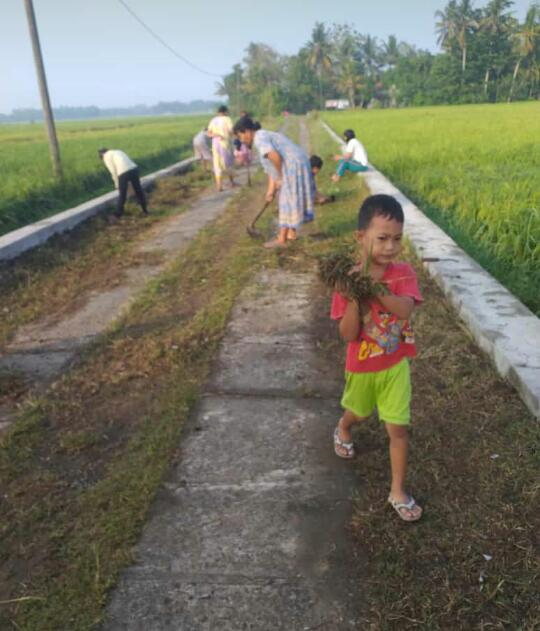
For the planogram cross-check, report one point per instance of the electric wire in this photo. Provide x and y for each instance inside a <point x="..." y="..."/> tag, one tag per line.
<point x="164" y="43"/>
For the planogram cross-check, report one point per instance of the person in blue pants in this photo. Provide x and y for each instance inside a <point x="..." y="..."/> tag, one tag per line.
<point x="354" y="158"/>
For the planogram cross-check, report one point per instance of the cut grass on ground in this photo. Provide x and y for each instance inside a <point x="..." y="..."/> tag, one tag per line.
<point x="57" y="277"/>
<point x="81" y="465"/>
<point x="470" y="564"/>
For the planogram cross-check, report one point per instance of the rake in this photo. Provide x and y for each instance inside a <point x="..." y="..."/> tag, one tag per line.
<point x="251" y="230"/>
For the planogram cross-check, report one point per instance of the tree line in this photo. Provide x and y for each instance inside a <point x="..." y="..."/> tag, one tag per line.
<point x="486" y="56"/>
<point x="91" y="111"/>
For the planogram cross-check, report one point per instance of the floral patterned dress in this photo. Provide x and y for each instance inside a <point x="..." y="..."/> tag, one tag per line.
<point x="297" y="192"/>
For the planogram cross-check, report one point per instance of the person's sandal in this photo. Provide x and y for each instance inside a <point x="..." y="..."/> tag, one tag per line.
<point x="401" y="507"/>
<point x="347" y="448"/>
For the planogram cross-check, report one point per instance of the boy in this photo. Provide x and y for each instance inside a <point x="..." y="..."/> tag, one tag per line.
<point x="316" y="165"/>
<point x="380" y="341"/>
<point x="123" y="170"/>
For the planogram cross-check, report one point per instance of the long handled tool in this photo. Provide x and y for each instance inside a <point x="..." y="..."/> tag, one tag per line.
<point x="251" y="230"/>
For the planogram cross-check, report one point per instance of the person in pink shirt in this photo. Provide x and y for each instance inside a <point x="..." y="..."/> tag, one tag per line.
<point x="380" y="343"/>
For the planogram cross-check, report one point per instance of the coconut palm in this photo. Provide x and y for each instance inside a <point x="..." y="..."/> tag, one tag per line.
<point x="454" y="25"/>
<point x="391" y="51"/>
<point x="319" y="54"/>
<point x="446" y="25"/>
<point x="526" y="41"/>
<point x="371" y="54"/>
<point x="495" y="23"/>
<point x="350" y="80"/>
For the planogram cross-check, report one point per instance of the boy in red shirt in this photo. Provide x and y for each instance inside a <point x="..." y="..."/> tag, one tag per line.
<point x="380" y="341"/>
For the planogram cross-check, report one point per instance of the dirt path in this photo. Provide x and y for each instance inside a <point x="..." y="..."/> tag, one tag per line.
<point x="42" y="350"/>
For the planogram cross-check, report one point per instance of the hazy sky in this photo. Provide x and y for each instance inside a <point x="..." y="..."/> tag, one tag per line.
<point x="96" y="54"/>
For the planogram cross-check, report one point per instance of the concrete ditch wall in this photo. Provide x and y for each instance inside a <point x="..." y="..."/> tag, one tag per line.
<point x="15" y="243"/>
<point x="501" y="325"/>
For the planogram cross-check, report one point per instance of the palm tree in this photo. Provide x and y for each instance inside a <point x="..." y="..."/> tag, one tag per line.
<point x="371" y="54"/>
<point x="455" y="23"/>
<point x="319" y="54"/>
<point x="445" y="26"/>
<point x="350" y="80"/>
<point x="466" y="22"/>
<point x="526" y="42"/>
<point x="391" y="51"/>
<point x="495" y="22"/>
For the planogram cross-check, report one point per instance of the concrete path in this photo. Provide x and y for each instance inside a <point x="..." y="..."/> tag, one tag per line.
<point x="249" y="532"/>
<point x="42" y="350"/>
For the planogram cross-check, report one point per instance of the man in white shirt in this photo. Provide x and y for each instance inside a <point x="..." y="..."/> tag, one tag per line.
<point x="354" y="158"/>
<point x="123" y="170"/>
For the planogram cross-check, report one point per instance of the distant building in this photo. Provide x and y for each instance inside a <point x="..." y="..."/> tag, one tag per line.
<point x="337" y="104"/>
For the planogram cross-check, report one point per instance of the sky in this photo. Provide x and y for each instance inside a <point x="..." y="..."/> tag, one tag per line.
<point x="95" y="53"/>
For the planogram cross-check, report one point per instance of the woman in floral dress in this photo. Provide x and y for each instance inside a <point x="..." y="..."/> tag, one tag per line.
<point x="289" y="174"/>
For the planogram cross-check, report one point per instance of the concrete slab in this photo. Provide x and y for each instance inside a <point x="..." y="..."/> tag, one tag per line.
<point x="238" y="425"/>
<point x="176" y="603"/>
<point x="501" y="325"/>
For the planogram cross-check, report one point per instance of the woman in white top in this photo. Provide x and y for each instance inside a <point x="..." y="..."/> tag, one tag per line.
<point x="354" y="158"/>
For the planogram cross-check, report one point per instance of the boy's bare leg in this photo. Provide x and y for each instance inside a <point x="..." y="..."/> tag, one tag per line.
<point x="399" y="448"/>
<point x="345" y="424"/>
<point x="291" y="234"/>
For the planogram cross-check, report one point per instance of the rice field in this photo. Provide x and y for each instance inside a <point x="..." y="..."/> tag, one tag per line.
<point x="29" y="192"/>
<point x="473" y="169"/>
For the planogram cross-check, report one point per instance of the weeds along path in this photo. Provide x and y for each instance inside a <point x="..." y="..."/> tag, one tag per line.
<point x="81" y="463"/>
<point x="87" y="291"/>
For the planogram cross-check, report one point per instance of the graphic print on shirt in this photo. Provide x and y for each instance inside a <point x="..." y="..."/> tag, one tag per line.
<point x="385" y="332"/>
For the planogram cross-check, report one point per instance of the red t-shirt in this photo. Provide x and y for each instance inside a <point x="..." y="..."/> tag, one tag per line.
<point x="384" y="339"/>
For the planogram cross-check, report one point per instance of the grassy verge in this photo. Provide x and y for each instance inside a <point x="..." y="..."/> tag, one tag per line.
<point x="56" y="277"/>
<point x="471" y="563"/>
<point x="81" y="465"/>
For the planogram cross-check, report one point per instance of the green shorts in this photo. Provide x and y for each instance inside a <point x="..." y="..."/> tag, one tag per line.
<point x="388" y="390"/>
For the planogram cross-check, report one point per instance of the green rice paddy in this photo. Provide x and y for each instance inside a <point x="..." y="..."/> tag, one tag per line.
<point x="475" y="170"/>
<point x="28" y="190"/>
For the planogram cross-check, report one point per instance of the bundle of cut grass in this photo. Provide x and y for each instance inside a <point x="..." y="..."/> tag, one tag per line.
<point x="336" y="271"/>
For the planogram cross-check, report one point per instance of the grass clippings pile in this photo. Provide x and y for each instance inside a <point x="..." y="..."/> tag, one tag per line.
<point x="340" y="272"/>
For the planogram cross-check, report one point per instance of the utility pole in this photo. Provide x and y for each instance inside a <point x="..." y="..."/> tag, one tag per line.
<point x="44" y="92"/>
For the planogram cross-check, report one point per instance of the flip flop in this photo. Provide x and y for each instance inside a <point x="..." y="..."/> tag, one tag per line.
<point x="348" y="447"/>
<point x="400" y="507"/>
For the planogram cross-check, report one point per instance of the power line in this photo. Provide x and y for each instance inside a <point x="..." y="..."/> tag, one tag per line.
<point x="164" y="43"/>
